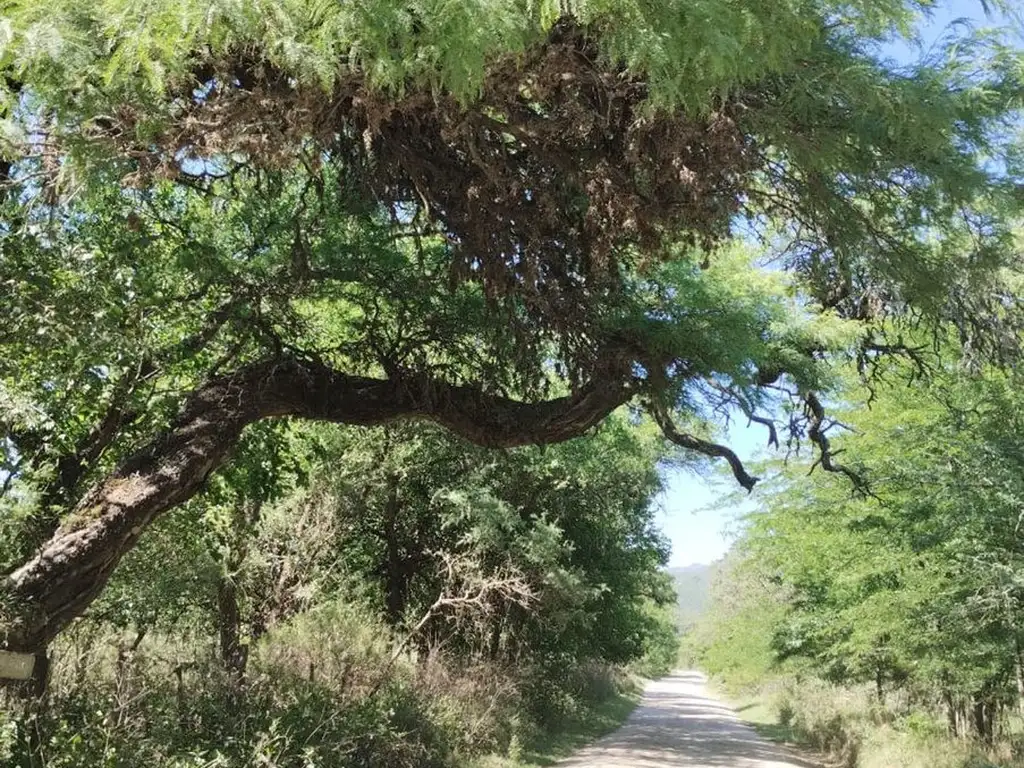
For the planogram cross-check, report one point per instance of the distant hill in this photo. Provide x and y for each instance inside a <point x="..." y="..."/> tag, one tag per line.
<point x="693" y="588"/>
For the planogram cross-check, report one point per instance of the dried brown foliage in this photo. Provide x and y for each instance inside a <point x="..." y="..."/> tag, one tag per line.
<point x="542" y="186"/>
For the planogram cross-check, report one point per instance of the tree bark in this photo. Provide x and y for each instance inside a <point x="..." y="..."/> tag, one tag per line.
<point x="59" y="582"/>
<point x="1018" y="668"/>
<point x="952" y="721"/>
<point x="982" y="715"/>
<point x="234" y="653"/>
<point x="394" y="570"/>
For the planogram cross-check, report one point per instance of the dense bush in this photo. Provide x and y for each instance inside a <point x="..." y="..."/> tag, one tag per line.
<point x="386" y="598"/>
<point x="901" y="599"/>
<point x="319" y="691"/>
<point x="855" y="731"/>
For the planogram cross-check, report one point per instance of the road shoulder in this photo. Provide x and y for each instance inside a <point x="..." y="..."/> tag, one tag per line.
<point x="757" y="713"/>
<point x="594" y="723"/>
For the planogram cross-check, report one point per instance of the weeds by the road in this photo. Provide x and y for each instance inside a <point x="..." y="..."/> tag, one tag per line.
<point x="314" y="694"/>
<point x="606" y="711"/>
<point x="848" y="728"/>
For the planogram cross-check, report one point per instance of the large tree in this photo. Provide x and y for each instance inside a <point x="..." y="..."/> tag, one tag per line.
<point x="506" y="218"/>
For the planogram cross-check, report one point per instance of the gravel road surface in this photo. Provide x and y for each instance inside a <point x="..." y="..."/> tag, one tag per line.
<point x="678" y="723"/>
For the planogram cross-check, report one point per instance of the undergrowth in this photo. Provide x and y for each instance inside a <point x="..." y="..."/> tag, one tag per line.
<point x="318" y="691"/>
<point x="850" y="728"/>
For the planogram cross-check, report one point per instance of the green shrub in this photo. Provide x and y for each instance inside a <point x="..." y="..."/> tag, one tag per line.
<point x="922" y="725"/>
<point x="321" y="690"/>
<point x="854" y="730"/>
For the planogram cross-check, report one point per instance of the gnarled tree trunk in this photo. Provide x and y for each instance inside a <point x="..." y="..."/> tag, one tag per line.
<point x="59" y="582"/>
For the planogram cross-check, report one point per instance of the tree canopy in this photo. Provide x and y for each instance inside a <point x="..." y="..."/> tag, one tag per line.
<point x="506" y="218"/>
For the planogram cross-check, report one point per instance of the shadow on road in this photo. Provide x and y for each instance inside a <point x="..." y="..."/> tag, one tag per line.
<point x="678" y="724"/>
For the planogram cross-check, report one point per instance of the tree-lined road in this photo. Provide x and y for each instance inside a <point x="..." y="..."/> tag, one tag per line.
<point x="678" y="723"/>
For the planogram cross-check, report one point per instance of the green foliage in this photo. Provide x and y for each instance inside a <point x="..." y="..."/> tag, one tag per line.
<point x="319" y="692"/>
<point x="733" y="638"/>
<point x="915" y="583"/>
<point x="574" y="520"/>
<point x="523" y="200"/>
<point x="192" y="187"/>
<point x="910" y="592"/>
<point x="873" y="183"/>
<point x="317" y="531"/>
<point x="694" y="54"/>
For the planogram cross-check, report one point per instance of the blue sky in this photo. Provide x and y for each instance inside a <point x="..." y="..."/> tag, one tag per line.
<point x="696" y="512"/>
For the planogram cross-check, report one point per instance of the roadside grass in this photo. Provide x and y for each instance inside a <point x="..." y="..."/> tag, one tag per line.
<point x="762" y="715"/>
<point x="573" y="733"/>
<point x="840" y="728"/>
<point x="764" y="718"/>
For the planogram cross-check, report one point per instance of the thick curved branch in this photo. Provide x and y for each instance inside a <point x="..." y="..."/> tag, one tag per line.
<point x="691" y="443"/>
<point x="317" y="392"/>
<point x="70" y="570"/>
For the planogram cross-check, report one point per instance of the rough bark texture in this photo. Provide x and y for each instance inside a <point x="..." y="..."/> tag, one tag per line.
<point x="233" y="653"/>
<point x="69" y="571"/>
<point x="395" y="572"/>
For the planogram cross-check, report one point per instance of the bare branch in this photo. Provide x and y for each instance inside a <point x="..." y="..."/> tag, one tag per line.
<point x="826" y="458"/>
<point x="692" y="443"/>
<point x="748" y="410"/>
<point x="470" y="591"/>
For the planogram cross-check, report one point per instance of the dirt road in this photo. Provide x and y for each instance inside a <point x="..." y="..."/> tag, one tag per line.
<point x="678" y="723"/>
